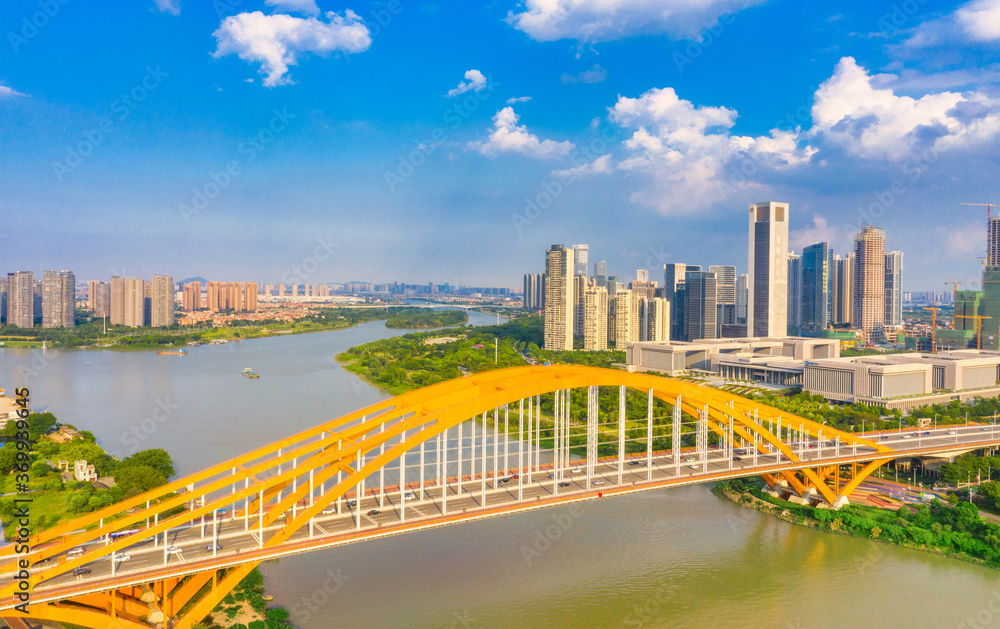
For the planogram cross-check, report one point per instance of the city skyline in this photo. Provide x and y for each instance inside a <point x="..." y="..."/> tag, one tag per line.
<point x="359" y="168"/>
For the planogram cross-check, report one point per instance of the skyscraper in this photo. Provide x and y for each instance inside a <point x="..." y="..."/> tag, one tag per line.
<point x="815" y="289"/>
<point x="99" y="298"/>
<point x="559" y="318"/>
<point x="128" y="302"/>
<point x="250" y="290"/>
<point x="21" y="299"/>
<point x="191" y="300"/>
<point x="993" y="242"/>
<point x="162" y="312"/>
<point x="68" y="298"/>
<point x="742" y="296"/>
<point x="534" y="292"/>
<point x="894" y="288"/>
<point x="767" y="308"/>
<point x="595" y="329"/>
<point x="623" y="319"/>
<point x="579" y="297"/>
<point x="51" y="299"/>
<point x="725" y="283"/>
<point x="116" y="315"/>
<point x="794" y="289"/>
<point x="700" y="306"/>
<point x="843" y="289"/>
<point x="601" y="273"/>
<point x="581" y="258"/>
<point x="673" y="291"/>
<point x="869" y="282"/>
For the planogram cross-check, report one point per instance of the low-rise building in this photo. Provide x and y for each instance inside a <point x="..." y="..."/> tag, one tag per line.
<point x="905" y="381"/>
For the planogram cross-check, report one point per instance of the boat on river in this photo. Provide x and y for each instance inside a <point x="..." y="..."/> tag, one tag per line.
<point x="249" y="373"/>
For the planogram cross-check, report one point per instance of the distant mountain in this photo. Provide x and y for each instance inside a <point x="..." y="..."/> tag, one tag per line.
<point x="193" y="279"/>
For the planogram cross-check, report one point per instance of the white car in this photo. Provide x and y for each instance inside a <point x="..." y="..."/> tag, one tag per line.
<point x="689" y="459"/>
<point x="409" y="496"/>
<point x="576" y="470"/>
<point x="174" y="550"/>
<point x="952" y="432"/>
<point x="907" y="436"/>
<point x="122" y="558"/>
<point x="328" y="511"/>
<point x="692" y="467"/>
<point x="597" y="481"/>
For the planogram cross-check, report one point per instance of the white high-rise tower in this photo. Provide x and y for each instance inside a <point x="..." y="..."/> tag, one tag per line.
<point x="767" y="307"/>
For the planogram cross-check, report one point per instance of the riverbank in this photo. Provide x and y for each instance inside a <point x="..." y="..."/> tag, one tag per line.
<point x="92" y="335"/>
<point x="954" y="531"/>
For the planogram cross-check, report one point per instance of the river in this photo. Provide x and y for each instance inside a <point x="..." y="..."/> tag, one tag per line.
<point x="669" y="558"/>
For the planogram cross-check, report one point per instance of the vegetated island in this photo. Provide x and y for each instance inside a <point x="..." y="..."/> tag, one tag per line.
<point x="89" y="333"/>
<point x="57" y="497"/>
<point x="411" y="361"/>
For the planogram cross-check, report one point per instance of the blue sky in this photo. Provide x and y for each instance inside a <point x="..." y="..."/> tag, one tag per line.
<point x="455" y="141"/>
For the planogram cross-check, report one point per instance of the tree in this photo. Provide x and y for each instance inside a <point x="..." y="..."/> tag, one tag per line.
<point x="155" y="458"/>
<point x="991" y="492"/>
<point x="8" y="459"/>
<point x="136" y="479"/>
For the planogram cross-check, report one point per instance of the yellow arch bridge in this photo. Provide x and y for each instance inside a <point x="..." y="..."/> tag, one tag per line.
<point x="168" y="557"/>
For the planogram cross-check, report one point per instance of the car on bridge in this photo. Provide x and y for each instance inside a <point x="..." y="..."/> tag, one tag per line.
<point x="409" y="496"/>
<point x="373" y="512"/>
<point x="123" y="558"/>
<point x="81" y="570"/>
<point x="329" y="511"/>
<point x="565" y="484"/>
<point x="212" y="547"/>
<point x="174" y="550"/>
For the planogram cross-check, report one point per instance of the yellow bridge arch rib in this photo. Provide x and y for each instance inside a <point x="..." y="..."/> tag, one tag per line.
<point x="299" y="477"/>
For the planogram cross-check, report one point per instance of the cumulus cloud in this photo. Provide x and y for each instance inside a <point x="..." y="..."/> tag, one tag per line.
<point x="277" y="41"/>
<point x="593" y="75"/>
<point x="819" y="231"/>
<point x="307" y="7"/>
<point x="867" y="121"/>
<point x="518" y="99"/>
<point x="6" y="92"/>
<point x="687" y="150"/>
<point x="977" y="21"/>
<point x="475" y="81"/>
<point x="509" y="137"/>
<point x="606" y="20"/>
<point x="173" y="7"/>
<point x="601" y="165"/>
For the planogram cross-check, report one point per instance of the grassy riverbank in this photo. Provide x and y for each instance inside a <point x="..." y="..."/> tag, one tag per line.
<point x="91" y="334"/>
<point x="955" y="531"/>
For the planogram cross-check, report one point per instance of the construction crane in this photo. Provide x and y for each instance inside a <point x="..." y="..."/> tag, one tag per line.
<point x="989" y="208"/>
<point x="934" y="311"/>
<point x="979" y="327"/>
<point x="982" y="262"/>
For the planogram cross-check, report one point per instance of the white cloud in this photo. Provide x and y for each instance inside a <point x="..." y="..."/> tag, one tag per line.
<point x="605" y="20"/>
<point x="867" y="121"/>
<point x="509" y="137"/>
<point x="6" y="92"/>
<point x="819" y="231"/>
<point x="518" y="99"/>
<point x="276" y="41"/>
<point x="308" y="7"/>
<point x="475" y="80"/>
<point x="686" y="150"/>
<point x="596" y="74"/>
<point x="980" y="19"/>
<point x="601" y="165"/>
<point x="977" y="21"/>
<point x="173" y="7"/>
